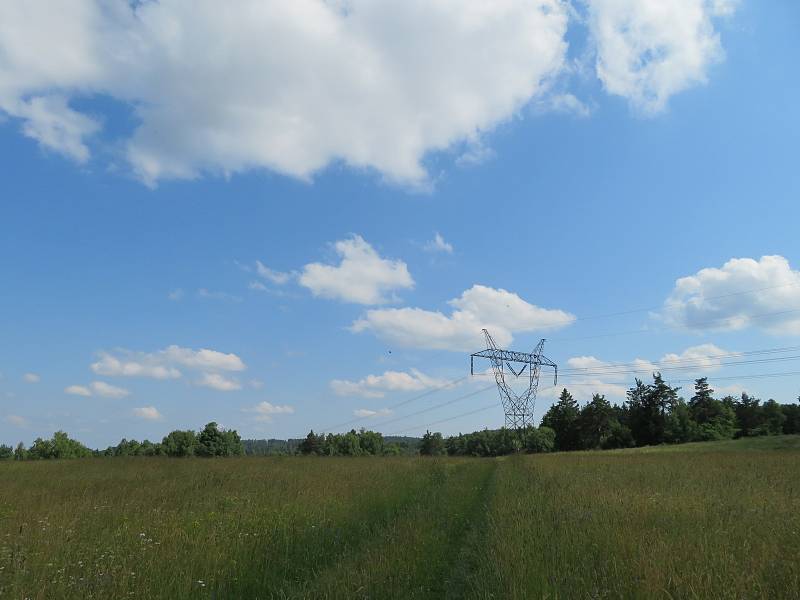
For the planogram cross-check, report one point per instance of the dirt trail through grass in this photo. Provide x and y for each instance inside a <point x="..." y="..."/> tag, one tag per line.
<point x="419" y="554"/>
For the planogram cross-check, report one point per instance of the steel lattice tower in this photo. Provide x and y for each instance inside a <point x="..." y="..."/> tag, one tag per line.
<point x="518" y="407"/>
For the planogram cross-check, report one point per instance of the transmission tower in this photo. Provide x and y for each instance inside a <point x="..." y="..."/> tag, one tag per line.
<point x="518" y="407"/>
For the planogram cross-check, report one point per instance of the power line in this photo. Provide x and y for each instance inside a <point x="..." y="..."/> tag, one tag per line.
<point x="444" y="386"/>
<point x="436" y="406"/>
<point x="712" y="379"/>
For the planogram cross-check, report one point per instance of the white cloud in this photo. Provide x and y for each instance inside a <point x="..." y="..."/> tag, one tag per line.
<point x="52" y="123"/>
<point x="163" y="363"/>
<point x="586" y="375"/>
<point x="742" y="293"/>
<point x="108" y="391"/>
<point x="16" y="421"/>
<point x="503" y="313"/>
<point x="139" y="365"/>
<point x="707" y="357"/>
<point x="287" y="86"/>
<point x="176" y="295"/>
<point x="276" y="277"/>
<point x="203" y="359"/>
<point x="219" y="382"/>
<point x="376" y="386"/>
<point x="264" y="411"/>
<point x="149" y="413"/>
<point x="564" y="104"/>
<point x="31" y="378"/>
<point x="366" y="413"/>
<point x="362" y="276"/>
<point x="78" y="390"/>
<point x="649" y="50"/>
<point x="437" y="244"/>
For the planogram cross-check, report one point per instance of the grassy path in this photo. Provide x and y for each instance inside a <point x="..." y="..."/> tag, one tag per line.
<point x="417" y="555"/>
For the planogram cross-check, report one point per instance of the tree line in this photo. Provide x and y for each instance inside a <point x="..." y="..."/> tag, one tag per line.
<point x="652" y="414"/>
<point x="211" y="441"/>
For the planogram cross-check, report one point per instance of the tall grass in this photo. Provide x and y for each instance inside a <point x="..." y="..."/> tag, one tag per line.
<point x="721" y="521"/>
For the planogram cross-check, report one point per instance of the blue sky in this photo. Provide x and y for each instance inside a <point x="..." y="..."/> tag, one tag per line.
<point x="584" y="180"/>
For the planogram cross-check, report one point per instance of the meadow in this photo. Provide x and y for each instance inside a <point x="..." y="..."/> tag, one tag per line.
<point x="708" y="520"/>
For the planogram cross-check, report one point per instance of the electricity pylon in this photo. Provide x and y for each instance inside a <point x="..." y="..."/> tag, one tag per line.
<point x="518" y="407"/>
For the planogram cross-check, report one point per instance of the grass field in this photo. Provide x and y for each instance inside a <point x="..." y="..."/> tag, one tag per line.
<point x="714" y="520"/>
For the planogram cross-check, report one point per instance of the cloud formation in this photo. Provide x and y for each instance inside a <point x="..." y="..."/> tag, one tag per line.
<point x="265" y="411"/>
<point x="148" y="413"/>
<point x="587" y="375"/>
<point x="219" y="382"/>
<point x="224" y="87"/>
<point x="503" y="313"/>
<point x="743" y="293"/>
<point x="437" y="244"/>
<point x="31" y="378"/>
<point x="164" y="364"/>
<point x="376" y="386"/>
<point x="97" y="388"/>
<point x="362" y="276"/>
<point x="649" y="50"/>
<point x="367" y="413"/>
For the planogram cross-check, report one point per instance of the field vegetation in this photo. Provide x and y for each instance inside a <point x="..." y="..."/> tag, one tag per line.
<point x="708" y="520"/>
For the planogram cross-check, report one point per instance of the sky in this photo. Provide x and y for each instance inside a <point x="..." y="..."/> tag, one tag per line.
<point x="285" y="216"/>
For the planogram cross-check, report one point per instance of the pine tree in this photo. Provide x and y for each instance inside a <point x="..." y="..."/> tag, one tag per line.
<point x="562" y="418"/>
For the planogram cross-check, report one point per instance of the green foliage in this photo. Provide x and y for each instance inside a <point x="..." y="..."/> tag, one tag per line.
<point x="432" y="444"/>
<point x="595" y="423"/>
<point x="500" y="442"/>
<point x="213" y="441"/>
<point x="6" y="452"/>
<point x="20" y="453"/>
<point x="792" y="423"/>
<point x="562" y="418"/>
<point x="59" y="446"/>
<point x="352" y="443"/>
<point x="649" y="407"/>
<point x="179" y="443"/>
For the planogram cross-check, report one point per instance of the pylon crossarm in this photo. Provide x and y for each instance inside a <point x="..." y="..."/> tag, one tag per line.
<point x="518" y="407"/>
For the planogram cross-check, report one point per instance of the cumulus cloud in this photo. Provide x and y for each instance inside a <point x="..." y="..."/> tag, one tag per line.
<point x="16" y="420"/>
<point x="97" y="388"/>
<point x="503" y="313"/>
<point x="649" y="50"/>
<point x="78" y="390"/>
<point x="586" y="375"/>
<point x="288" y="86"/>
<point x="219" y="382"/>
<point x="31" y="378"/>
<point x="265" y="411"/>
<point x="743" y="293"/>
<point x="362" y="276"/>
<point x="163" y="363"/>
<point x="437" y="244"/>
<point x="149" y="413"/>
<point x="108" y="391"/>
<point x="376" y="386"/>
<point x="143" y="366"/>
<point x="366" y="413"/>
